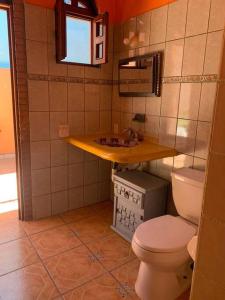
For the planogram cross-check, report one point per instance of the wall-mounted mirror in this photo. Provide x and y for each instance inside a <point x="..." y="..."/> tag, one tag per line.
<point x="140" y="76"/>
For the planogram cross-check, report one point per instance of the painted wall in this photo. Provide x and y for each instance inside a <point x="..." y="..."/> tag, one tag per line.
<point x="119" y="10"/>
<point x="6" y="113"/>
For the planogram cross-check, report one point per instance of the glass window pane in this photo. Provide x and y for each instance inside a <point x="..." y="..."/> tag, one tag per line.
<point x="78" y="40"/>
<point x="4" y="40"/>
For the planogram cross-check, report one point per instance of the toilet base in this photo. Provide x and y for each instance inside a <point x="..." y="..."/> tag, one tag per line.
<point x="152" y="284"/>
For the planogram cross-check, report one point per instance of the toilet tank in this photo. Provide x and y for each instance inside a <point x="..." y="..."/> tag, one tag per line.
<point x="187" y="188"/>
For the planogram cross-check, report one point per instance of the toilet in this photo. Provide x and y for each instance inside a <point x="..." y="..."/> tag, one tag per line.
<point x="161" y="243"/>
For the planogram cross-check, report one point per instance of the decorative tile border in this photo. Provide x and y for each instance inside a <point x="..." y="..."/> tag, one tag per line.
<point x="191" y="78"/>
<point x="174" y="79"/>
<point x="69" y="79"/>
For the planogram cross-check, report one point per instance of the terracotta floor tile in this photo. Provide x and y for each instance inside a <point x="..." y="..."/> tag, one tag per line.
<point x="12" y="215"/>
<point x="127" y="276"/>
<point x="54" y="241"/>
<point x="91" y="229"/>
<point x="11" y="230"/>
<point x="105" y="210"/>
<point x="102" y="288"/>
<point x="16" y="254"/>
<point x="73" y="268"/>
<point x="112" y="251"/>
<point x="78" y="214"/>
<point x="31" y="282"/>
<point x="33" y="227"/>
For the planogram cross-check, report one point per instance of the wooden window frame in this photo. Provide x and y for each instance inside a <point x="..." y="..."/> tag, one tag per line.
<point x="62" y="10"/>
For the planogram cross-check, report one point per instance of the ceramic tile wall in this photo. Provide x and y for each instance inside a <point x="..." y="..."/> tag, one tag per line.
<point x="209" y="279"/>
<point x="64" y="177"/>
<point x="190" y="33"/>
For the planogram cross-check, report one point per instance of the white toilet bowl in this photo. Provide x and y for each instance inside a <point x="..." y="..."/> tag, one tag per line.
<point x="161" y="246"/>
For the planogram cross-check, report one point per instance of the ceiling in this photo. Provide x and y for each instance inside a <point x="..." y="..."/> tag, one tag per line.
<point x="119" y="10"/>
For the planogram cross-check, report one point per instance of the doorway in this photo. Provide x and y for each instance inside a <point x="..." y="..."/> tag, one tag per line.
<point x="8" y="173"/>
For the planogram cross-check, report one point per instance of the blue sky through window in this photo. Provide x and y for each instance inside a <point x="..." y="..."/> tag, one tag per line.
<point x="4" y="40"/>
<point x="78" y="40"/>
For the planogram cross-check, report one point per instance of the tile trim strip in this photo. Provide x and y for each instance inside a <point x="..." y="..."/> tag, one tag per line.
<point x="69" y="79"/>
<point x="174" y="79"/>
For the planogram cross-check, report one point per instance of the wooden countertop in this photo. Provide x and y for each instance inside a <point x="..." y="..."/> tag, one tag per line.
<point x="145" y="151"/>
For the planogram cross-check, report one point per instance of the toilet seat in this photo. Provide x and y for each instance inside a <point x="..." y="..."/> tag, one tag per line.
<point x="167" y="234"/>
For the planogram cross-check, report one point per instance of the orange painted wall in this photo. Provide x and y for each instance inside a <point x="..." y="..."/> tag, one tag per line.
<point x="125" y="9"/>
<point x="7" y="144"/>
<point x="119" y="10"/>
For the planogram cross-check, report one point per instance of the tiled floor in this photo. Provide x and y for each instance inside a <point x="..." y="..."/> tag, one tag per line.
<point x="72" y="256"/>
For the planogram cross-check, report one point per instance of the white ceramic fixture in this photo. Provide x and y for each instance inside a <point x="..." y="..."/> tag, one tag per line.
<point x="161" y="243"/>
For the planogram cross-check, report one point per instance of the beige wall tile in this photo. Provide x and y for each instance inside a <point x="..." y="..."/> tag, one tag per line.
<point x="170" y="99"/>
<point x="217" y="15"/>
<point x="55" y="68"/>
<point x="105" y="97"/>
<point x="208" y="96"/>
<point x="143" y="27"/>
<point x="59" y="202"/>
<point x="186" y="134"/>
<point x="104" y="170"/>
<point x="75" y="155"/>
<point x="76" y="123"/>
<point x="189" y="100"/>
<point x="153" y="106"/>
<point x="40" y="182"/>
<point x="158" y="25"/>
<point x="165" y="167"/>
<point x="126" y="104"/>
<point x="41" y="206"/>
<point x="129" y="30"/>
<point x="40" y="155"/>
<point x="126" y="120"/>
<point x="51" y="25"/>
<point x="37" y="57"/>
<point x="177" y="15"/>
<point x="39" y="126"/>
<point x="76" y="71"/>
<point x="57" y="119"/>
<point x="38" y="95"/>
<point x="167" y="131"/>
<point x="58" y="96"/>
<point x="76" y="198"/>
<point x="58" y="153"/>
<point x="91" y="194"/>
<point x="152" y="124"/>
<point x="198" y="16"/>
<point x="174" y="58"/>
<point x="92" y="72"/>
<point x="92" y="97"/>
<point x="36" y="23"/>
<point x="213" y="54"/>
<point x="92" y="122"/>
<point x="105" y="121"/>
<point x="202" y="139"/>
<point x="91" y="172"/>
<point x="75" y="97"/>
<point x="139" y="105"/>
<point x="76" y="175"/>
<point x="194" y="52"/>
<point x="59" y="179"/>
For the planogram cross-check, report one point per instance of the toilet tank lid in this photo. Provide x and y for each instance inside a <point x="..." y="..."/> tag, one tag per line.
<point x="190" y="176"/>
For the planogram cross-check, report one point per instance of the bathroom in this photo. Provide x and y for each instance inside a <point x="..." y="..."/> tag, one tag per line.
<point x="60" y="243"/>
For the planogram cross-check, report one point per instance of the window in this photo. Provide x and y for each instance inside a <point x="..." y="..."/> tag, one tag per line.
<point x="81" y="34"/>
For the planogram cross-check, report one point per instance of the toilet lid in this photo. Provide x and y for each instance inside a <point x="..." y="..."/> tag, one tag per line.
<point x="164" y="234"/>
